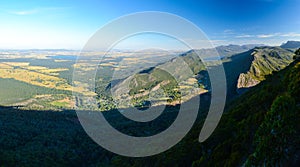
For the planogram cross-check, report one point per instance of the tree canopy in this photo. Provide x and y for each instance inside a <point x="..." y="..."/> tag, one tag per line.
<point x="297" y="52"/>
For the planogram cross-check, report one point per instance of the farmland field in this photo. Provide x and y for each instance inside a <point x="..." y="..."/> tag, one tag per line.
<point x="44" y="79"/>
<point x="13" y="91"/>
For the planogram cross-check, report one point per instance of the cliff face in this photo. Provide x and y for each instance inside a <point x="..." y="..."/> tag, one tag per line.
<point x="246" y="81"/>
<point x="266" y="60"/>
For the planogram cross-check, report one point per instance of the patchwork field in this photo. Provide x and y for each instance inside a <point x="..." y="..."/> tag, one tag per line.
<point x="38" y="75"/>
<point x="39" y="82"/>
<point x="19" y="93"/>
<point x="45" y="81"/>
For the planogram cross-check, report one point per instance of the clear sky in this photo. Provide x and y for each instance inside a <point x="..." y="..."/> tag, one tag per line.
<point x="69" y="23"/>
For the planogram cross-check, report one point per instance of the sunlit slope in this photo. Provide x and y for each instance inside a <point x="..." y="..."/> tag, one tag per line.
<point x="266" y="60"/>
<point x="38" y="75"/>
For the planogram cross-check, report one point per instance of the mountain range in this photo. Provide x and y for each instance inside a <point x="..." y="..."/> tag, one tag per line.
<point x="291" y="45"/>
<point x="186" y="75"/>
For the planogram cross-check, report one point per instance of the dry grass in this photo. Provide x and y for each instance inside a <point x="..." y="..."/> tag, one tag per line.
<point x="37" y="75"/>
<point x="66" y="103"/>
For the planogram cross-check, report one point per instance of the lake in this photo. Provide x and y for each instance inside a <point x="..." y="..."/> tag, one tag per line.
<point x="63" y="57"/>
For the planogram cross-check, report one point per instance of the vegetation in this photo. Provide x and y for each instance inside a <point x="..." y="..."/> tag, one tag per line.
<point x="35" y="138"/>
<point x="266" y="60"/>
<point x="276" y="134"/>
<point x="167" y="83"/>
<point x="38" y="75"/>
<point x="297" y="52"/>
<point x="13" y="91"/>
<point x="259" y="128"/>
<point x="297" y="56"/>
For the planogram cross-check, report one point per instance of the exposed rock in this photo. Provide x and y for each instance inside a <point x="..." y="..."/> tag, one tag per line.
<point x="246" y="81"/>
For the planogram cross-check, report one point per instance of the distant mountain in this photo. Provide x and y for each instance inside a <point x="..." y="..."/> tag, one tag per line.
<point x="229" y="50"/>
<point x="38" y="50"/>
<point x="291" y="45"/>
<point x="224" y="50"/>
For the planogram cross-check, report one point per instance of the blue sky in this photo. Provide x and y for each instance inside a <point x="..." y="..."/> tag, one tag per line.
<point x="69" y="23"/>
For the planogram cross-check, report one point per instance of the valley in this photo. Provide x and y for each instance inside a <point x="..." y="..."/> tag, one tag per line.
<point x="32" y="137"/>
<point x="44" y="79"/>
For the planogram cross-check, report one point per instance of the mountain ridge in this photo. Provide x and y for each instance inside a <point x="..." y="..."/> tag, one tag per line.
<point x="291" y="45"/>
<point x="266" y="60"/>
<point x="244" y="68"/>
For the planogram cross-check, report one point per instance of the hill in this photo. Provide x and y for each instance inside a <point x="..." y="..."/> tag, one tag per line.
<point x="162" y="83"/>
<point x="291" y="45"/>
<point x="266" y="60"/>
<point x="260" y="128"/>
<point x="230" y="50"/>
<point x="185" y="76"/>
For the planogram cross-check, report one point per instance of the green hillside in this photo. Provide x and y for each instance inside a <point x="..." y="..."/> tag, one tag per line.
<point x="266" y="60"/>
<point x="260" y="128"/>
<point x="161" y="82"/>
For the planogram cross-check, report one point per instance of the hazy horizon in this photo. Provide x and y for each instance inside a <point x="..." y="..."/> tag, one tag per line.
<point x="68" y="24"/>
<point x="134" y="50"/>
